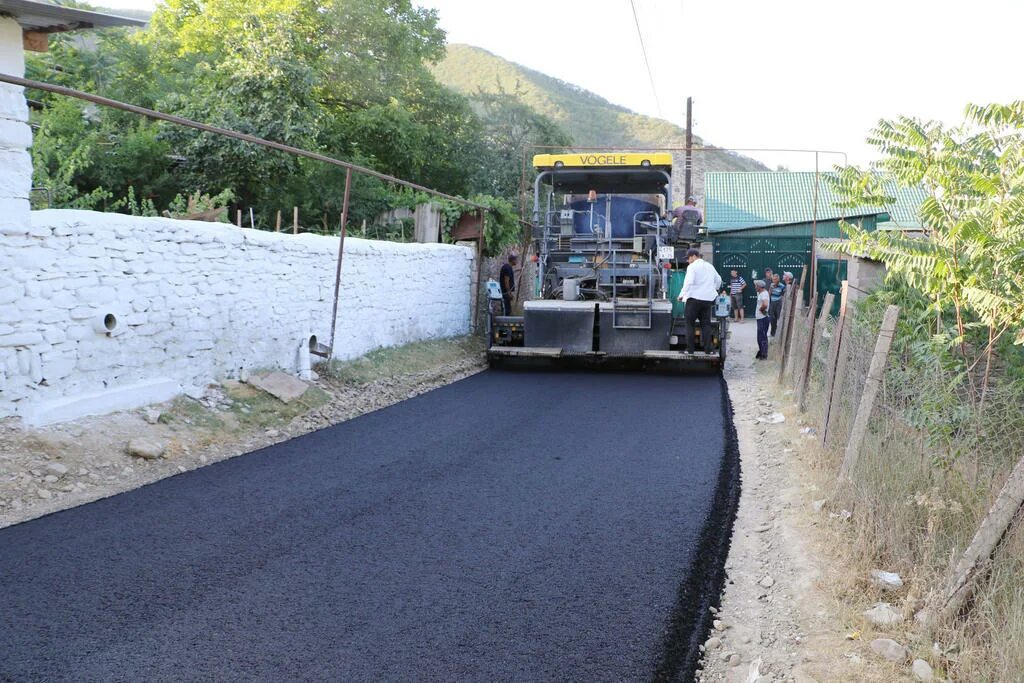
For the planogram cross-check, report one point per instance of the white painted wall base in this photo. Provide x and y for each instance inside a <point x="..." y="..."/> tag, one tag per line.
<point x="119" y="398"/>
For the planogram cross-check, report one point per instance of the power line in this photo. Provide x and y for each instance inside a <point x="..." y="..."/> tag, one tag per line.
<point x="647" y="62"/>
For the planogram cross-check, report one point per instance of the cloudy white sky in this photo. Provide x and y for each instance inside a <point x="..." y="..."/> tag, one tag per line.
<point x="802" y="74"/>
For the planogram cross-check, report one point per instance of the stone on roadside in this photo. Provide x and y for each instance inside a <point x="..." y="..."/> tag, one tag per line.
<point x="766" y="582"/>
<point x="883" y="615"/>
<point x="734" y="660"/>
<point x="280" y="385"/>
<point x="151" y="415"/>
<point x="887" y="581"/>
<point x="45" y="494"/>
<point x="57" y="469"/>
<point x="147" y="449"/>
<point x="773" y="419"/>
<point x="50" y="478"/>
<point x="193" y="392"/>
<point x="922" y="671"/>
<point x="718" y="625"/>
<point x="712" y="643"/>
<point x="889" y="649"/>
<point x="818" y="505"/>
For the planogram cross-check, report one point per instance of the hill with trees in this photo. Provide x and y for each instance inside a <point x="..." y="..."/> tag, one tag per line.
<point x="589" y="119"/>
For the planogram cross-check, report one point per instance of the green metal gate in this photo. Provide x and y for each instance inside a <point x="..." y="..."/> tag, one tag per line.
<point x="751" y="255"/>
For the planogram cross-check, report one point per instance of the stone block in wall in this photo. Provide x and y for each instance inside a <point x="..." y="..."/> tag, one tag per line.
<point x="14" y="216"/>
<point x="16" y="180"/>
<point x="22" y="339"/>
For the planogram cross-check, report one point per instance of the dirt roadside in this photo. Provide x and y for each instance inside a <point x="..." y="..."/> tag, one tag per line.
<point x="53" y="468"/>
<point x="778" y="621"/>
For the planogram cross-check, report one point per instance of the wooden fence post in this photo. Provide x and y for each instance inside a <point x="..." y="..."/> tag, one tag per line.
<point x="277" y="227"/>
<point x="835" y="363"/>
<point x="801" y="329"/>
<point x="812" y="344"/>
<point x="871" y="386"/>
<point x="238" y="217"/>
<point x="795" y="302"/>
<point x="295" y="220"/>
<point x="961" y="581"/>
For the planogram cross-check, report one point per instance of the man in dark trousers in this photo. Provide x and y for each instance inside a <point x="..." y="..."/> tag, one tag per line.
<point x="700" y="289"/>
<point x="776" y="290"/>
<point x="507" y="279"/>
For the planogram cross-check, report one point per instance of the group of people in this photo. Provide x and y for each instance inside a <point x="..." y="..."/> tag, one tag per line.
<point x="768" y="306"/>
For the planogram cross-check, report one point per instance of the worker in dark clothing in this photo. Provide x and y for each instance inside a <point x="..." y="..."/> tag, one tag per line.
<point x="776" y="290"/>
<point x="507" y="279"/>
<point x="687" y="219"/>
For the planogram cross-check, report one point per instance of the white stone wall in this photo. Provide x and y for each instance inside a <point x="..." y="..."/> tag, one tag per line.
<point x="15" y="135"/>
<point x="195" y="302"/>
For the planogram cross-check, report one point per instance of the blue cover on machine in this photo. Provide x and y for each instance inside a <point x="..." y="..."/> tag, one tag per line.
<point x="623" y="210"/>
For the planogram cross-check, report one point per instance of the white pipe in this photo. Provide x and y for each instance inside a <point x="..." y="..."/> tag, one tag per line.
<point x="305" y="369"/>
<point x="104" y="323"/>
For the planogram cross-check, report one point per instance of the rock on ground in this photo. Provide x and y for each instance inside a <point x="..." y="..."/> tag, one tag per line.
<point x="887" y="581"/>
<point x="922" y="671"/>
<point x="280" y="385"/>
<point x="146" y="449"/>
<point x="883" y="615"/>
<point x="889" y="649"/>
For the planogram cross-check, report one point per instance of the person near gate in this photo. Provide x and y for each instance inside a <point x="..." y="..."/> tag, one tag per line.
<point x="507" y="279"/>
<point x="775" y="292"/>
<point x="736" y="286"/>
<point x="761" y="315"/>
<point x="700" y="289"/>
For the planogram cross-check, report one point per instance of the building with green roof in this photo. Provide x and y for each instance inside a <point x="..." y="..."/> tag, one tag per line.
<point x="766" y="220"/>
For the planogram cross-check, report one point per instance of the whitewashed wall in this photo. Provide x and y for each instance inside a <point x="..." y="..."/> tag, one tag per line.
<point x="196" y="302"/>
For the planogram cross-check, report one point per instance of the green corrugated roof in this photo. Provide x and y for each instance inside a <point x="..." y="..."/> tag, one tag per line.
<point x="745" y="200"/>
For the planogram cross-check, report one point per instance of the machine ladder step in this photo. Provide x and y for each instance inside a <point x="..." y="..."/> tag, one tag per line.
<point x="639" y="312"/>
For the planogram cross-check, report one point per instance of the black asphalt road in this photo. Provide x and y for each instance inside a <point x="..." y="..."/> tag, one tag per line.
<point x="511" y="526"/>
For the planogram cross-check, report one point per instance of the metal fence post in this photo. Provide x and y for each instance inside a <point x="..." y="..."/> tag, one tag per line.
<point x="341" y="254"/>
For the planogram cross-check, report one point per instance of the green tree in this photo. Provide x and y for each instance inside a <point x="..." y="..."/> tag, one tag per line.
<point x="971" y="261"/>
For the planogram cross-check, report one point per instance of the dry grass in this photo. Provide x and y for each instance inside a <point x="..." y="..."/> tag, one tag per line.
<point x="410" y="359"/>
<point x="917" y="501"/>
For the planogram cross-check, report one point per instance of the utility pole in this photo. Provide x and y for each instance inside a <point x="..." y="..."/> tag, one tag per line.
<point x="688" y="167"/>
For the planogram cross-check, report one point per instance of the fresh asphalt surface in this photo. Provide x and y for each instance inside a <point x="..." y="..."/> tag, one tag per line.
<point x="511" y="526"/>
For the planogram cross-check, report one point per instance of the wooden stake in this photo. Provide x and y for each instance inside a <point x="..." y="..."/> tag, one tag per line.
<point x="277" y="226"/>
<point x="295" y="221"/>
<point x="801" y="390"/>
<point x="836" y="362"/>
<point x="871" y="386"/>
<point x="801" y="347"/>
<point x="789" y="312"/>
<point x="973" y="564"/>
<point x="238" y="218"/>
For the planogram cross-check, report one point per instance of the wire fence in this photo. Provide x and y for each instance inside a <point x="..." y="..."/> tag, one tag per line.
<point x="932" y="463"/>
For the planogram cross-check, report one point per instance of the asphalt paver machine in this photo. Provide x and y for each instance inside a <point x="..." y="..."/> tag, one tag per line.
<point x="608" y="261"/>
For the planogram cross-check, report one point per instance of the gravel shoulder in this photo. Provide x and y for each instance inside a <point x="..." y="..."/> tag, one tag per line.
<point x="61" y="466"/>
<point x="779" y="621"/>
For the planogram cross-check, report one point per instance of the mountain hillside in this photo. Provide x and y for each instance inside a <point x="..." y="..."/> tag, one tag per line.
<point x="591" y="120"/>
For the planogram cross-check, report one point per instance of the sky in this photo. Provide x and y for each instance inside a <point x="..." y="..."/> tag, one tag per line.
<point x="785" y="74"/>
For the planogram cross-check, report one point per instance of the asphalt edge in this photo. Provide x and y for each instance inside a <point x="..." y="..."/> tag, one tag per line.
<point x="691" y="619"/>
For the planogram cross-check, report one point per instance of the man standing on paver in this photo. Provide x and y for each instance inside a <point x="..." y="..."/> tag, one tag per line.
<point x="700" y="289"/>
<point x="761" y="315"/>
<point x="507" y="279"/>
<point x="775" y="291"/>
<point x="736" y="286"/>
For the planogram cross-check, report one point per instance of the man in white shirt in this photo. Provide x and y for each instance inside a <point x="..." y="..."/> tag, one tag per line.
<point x="763" y="319"/>
<point x="700" y="289"/>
